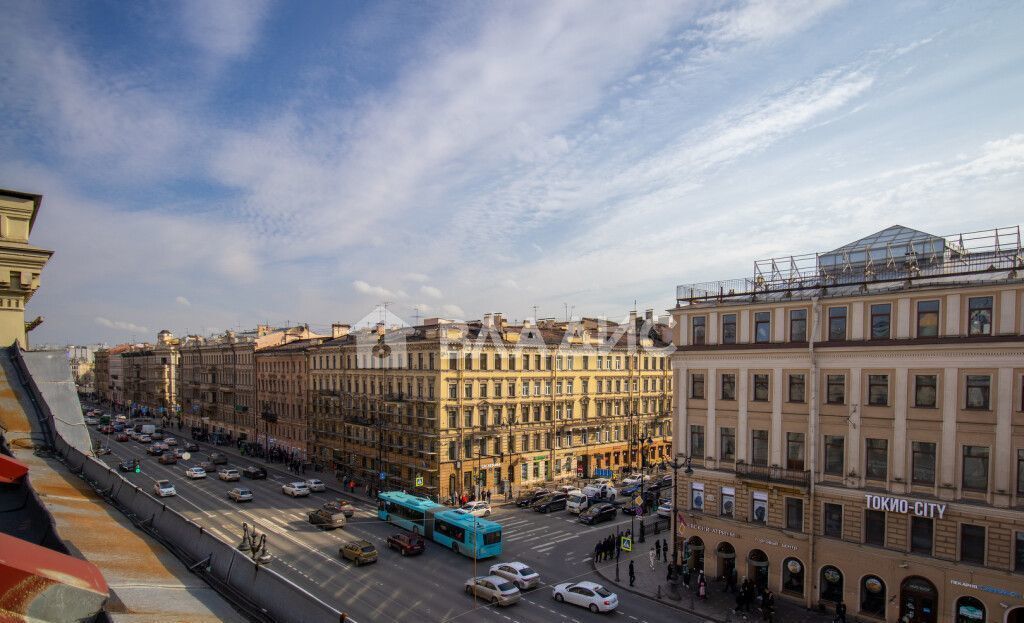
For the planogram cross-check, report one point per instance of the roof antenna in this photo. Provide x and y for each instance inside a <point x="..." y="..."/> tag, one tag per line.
<point x="416" y="314"/>
<point x="535" y="313"/>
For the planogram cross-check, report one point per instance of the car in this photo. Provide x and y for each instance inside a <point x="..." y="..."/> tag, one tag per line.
<point x="178" y="454"/>
<point x="127" y="465"/>
<point x="632" y="509"/>
<point x="106" y="429"/>
<point x="590" y="595"/>
<point x="518" y="573"/>
<point x="157" y="435"/>
<point x="208" y="466"/>
<point x="91" y="421"/>
<point x="597" y="513"/>
<point x="256" y="473"/>
<point x="121" y="437"/>
<point x="342" y="506"/>
<point x="295" y="489"/>
<point x="634" y="480"/>
<point x="478" y="509"/>
<point x="631" y="489"/>
<point x="167" y="458"/>
<point x="407" y="544"/>
<point x="327" y="518"/>
<point x="102" y="451"/>
<point x="551" y="502"/>
<point x="118" y="427"/>
<point x="229" y="474"/>
<point x="191" y="446"/>
<point x="144" y="439"/>
<point x="154" y="450"/>
<point x="240" y="494"/>
<point x="493" y="589"/>
<point x="195" y="472"/>
<point x="665" y="509"/>
<point x="359" y="552"/>
<point x="315" y="484"/>
<point x="163" y="488"/>
<point x="218" y="458"/>
<point x="527" y="499"/>
<point x="171" y="441"/>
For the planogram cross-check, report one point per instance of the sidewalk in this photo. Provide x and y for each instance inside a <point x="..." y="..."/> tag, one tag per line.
<point x="719" y="606"/>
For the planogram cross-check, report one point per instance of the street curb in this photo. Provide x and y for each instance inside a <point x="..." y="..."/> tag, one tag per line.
<point x="652" y="598"/>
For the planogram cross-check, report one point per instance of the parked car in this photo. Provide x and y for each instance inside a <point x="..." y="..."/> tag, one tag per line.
<point x="589" y="595"/>
<point x="92" y="421"/>
<point x="256" y="473"/>
<point x="518" y="573"/>
<point x="167" y="458"/>
<point x="315" y="484"/>
<point x="342" y="506"/>
<point x="634" y="480"/>
<point x="602" y="511"/>
<point x="359" y="552"/>
<point x="295" y="489"/>
<point x="551" y="502"/>
<point x="493" y="589"/>
<point x="327" y="518"/>
<point x="106" y="429"/>
<point x="229" y="474"/>
<point x="527" y="499"/>
<point x="118" y="427"/>
<point x="163" y="488"/>
<point x="218" y="459"/>
<point x="195" y="472"/>
<point x="407" y="544"/>
<point x="478" y="509"/>
<point x="240" y="494"/>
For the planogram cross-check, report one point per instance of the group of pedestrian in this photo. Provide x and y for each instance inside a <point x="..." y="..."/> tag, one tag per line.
<point x="730" y="580"/>
<point x="748" y="593"/>
<point x="606" y="549"/>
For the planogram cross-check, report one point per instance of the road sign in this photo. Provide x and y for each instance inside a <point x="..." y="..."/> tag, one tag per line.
<point x="419" y="481"/>
<point x="640" y="512"/>
<point x="638" y="501"/>
<point x="627" y="544"/>
<point x="383" y="475"/>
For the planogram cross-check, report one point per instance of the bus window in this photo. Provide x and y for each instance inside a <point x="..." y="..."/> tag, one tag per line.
<point x="492" y="537"/>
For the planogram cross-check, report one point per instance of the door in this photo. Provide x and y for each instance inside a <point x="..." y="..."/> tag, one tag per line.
<point x="918" y="601"/>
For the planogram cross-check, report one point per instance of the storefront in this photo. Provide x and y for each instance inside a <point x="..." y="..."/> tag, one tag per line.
<point x="919" y="601"/>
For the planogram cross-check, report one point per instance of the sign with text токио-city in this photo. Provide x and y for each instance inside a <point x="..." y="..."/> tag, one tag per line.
<point x="899" y="505"/>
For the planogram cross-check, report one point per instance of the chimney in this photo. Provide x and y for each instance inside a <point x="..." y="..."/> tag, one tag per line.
<point x="339" y="330"/>
<point x="488" y="321"/>
<point x="632" y="320"/>
<point x="649" y="315"/>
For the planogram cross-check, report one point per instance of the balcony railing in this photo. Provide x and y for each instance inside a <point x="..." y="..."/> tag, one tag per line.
<point x="772" y="473"/>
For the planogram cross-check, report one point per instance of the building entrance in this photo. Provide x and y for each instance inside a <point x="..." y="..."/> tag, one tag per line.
<point x="726" y="555"/>
<point x="695" y="554"/>
<point x="757" y="568"/>
<point x="918" y="600"/>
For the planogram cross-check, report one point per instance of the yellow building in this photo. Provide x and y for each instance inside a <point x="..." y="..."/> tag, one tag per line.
<point x="447" y="408"/>
<point x="854" y="422"/>
<point x="20" y="264"/>
<point x="151" y="375"/>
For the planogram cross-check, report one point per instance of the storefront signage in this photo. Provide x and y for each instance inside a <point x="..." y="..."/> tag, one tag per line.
<point x="717" y="531"/>
<point x="899" y="505"/>
<point x="491" y="465"/>
<point x="988" y="589"/>
<point x="777" y="544"/>
<point x="540" y="457"/>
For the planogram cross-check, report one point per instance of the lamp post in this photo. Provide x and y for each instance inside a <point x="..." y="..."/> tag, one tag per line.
<point x="675" y="465"/>
<point x="642" y="444"/>
<point x="509" y="420"/>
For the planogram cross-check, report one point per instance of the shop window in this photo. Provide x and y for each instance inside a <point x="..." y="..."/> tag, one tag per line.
<point x="1018" y="557"/>
<point x="881" y="320"/>
<point x="763" y="327"/>
<point x="836" y="323"/>
<point x="918" y="600"/>
<point x="831" y="584"/>
<point x="759" y="507"/>
<point x="833" y="520"/>
<point x="699" y="327"/>
<point x="834" y="454"/>
<point x="798" y="325"/>
<point x="874" y="528"/>
<point x="975" y="468"/>
<point x="923" y="462"/>
<point x="697" y="440"/>
<point x="793" y="576"/>
<point x="795" y="514"/>
<point x="970" y="610"/>
<point x="728" y="387"/>
<point x="927" y="318"/>
<point x="729" y="329"/>
<point x="921" y="531"/>
<point x="728" y="444"/>
<point x="1020" y="471"/>
<point x="728" y="502"/>
<point x="872" y="596"/>
<point x="697" y="496"/>
<point x="835" y="389"/>
<point x="697" y="386"/>
<point x="761" y="387"/>
<point x="795" y="451"/>
<point x="796" y="388"/>
<point x="925" y="390"/>
<point x="978" y="386"/>
<point x="979" y="320"/>
<point x="972" y="543"/>
<point x="759" y="447"/>
<point x="878" y="390"/>
<point x="877" y="454"/>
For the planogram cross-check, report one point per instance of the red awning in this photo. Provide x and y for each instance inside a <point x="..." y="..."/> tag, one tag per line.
<point x="11" y="470"/>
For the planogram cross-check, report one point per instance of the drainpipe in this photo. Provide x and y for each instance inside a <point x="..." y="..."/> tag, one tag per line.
<point x="812" y="434"/>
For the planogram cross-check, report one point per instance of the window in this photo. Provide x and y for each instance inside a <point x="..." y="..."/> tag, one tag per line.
<point x="1018" y="558"/>
<point x="969" y="610"/>
<point x="927" y="318"/>
<point x="833" y="520"/>
<point x="759" y="447"/>
<point x="697" y="496"/>
<point x="728" y="445"/>
<point x="759" y="507"/>
<point x="878" y="390"/>
<point x="975" y="468"/>
<point x="834" y="454"/>
<point x="921" y="529"/>
<point x="972" y="543"/>
<point x="979" y="320"/>
<point x="978" y="391"/>
<point x="696" y="440"/>
<point x="836" y="323"/>
<point x="922" y="463"/>
<point x="924" y="390"/>
<point x="874" y="528"/>
<point x="761" y="387"/>
<point x="698" y="329"/>
<point x="729" y="329"/>
<point x="453" y="391"/>
<point x="763" y="327"/>
<point x="798" y="325"/>
<point x="794" y="514"/>
<point x="1020" y="471"/>
<point x="728" y="501"/>
<point x="697" y="386"/>
<point x="795" y="451"/>
<point x="881" y="320"/>
<point x="728" y="387"/>
<point x="877" y="454"/>
<point x="796" y="388"/>
<point x="835" y="389"/>
<point x="831" y="584"/>
<point x="872" y="596"/>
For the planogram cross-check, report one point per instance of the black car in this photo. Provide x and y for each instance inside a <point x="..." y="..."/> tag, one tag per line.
<point x="208" y="466"/>
<point x="191" y="446"/>
<point x="127" y="465"/>
<point x="598" y="513"/>
<point x="218" y="459"/>
<point x="551" y="502"/>
<point x="527" y="499"/>
<point x="256" y="473"/>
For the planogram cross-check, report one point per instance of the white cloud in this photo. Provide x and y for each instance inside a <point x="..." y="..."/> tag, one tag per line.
<point x="417" y="277"/>
<point x="454" y="311"/>
<point x="184" y="302"/>
<point x="378" y="291"/>
<point x="762" y="20"/>
<point x="223" y="29"/>
<point x="120" y="325"/>
<point x="431" y="291"/>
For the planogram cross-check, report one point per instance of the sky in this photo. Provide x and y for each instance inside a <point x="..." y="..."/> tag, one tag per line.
<point x="214" y="164"/>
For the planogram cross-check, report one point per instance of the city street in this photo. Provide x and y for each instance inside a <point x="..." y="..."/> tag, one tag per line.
<point x="429" y="586"/>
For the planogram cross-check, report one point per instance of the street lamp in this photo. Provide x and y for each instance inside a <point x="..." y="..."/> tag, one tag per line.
<point x="675" y="465"/>
<point x="640" y="441"/>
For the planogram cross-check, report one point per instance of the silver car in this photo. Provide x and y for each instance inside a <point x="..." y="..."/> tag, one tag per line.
<point x="518" y="573"/>
<point x="493" y="589"/>
<point x="240" y="494"/>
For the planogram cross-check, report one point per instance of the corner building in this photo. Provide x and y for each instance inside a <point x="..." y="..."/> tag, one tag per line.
<point x="854" y="425"/>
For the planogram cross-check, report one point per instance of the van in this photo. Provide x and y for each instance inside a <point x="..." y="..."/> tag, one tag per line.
<point x="578" y="502"/>
<point x="148" y="429"/>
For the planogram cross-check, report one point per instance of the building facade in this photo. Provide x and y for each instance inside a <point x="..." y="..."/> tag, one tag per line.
<point x="855" y="426"/>
<point x="446" y="408"/>
<point x="282" y="383"/>
<point x="150" y="375"/>
<point x="21" y="264"/>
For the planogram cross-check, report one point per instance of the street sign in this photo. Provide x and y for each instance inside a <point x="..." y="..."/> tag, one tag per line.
<point x="627" y="544"/>
<point x="419" y="481"/>
<point x="640" y="513"/>
<point x="383" y="475"/>
<point x="638" y="501"/>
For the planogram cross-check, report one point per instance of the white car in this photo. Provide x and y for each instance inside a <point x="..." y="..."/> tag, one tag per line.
<point x="634" y="480"/>
<point x="589" y="595"/>
<point x="229" y="474"/>
<point x="316" y="484"/>
<point x="144" y="439"/>
<point x="517" y="573"/>
<point x="170" y="441"/>
<point x="478" y="509"/>
<point x="163" y="488"/>
<point x="195" y="472"/>
<point x="240" y="494"/>
<point x="665" y="509"/>
<point x="295" y="489"/>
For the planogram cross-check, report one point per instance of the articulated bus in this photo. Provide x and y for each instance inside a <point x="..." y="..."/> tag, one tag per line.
<point x="452" y="528"/>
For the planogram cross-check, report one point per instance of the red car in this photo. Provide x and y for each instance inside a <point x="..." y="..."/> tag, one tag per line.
<point x="121" y="437"/>
<point x="406" y="544"/>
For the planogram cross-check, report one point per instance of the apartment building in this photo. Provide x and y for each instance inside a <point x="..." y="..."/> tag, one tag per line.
<point x="151" y="375"/>
<point x="854" y="424"/>
<point x="282" y="383"/>
<point x="446" y="408"/>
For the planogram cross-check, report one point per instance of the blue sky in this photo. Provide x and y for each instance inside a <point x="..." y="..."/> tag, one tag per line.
<point x="214" y="164"/>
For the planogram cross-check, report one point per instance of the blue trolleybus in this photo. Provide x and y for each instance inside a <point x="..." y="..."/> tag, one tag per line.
<point x="455" y="529"/>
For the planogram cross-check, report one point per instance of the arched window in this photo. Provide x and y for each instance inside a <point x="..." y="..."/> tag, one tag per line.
<point x="872" y="596"/>
<point x="793" y="576"/>
<point x="831" y="584"/>
<point x="969" y="610"/>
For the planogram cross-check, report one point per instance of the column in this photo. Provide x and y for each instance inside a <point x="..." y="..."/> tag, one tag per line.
<point x="903" y="312"/>
<point x="775" y="443"/>
<point x="1007" y="316"/>
<point x="711" y="391"/>
<point x="742" y="434"/>
<point x="951" y="307"/>
<point x="1004" y="437"/>
<point x="681" y="392"/>
<point x="744" y="327"/>
<point x="712" y="329"/>
<point x="779" y="325"/>
<point x="899" y="442"/>
<point x="948" y="449"/>
<point x="857" y="321"/>
<point x="853" y="448"/>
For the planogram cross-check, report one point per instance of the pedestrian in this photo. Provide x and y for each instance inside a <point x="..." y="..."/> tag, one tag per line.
<point x="730" y="580"/>
<point x="632" y="573"/>
<point x="657" y="548"/>
<point x="702" y="586"/>
<point x="768" y="606"/>
<point x="840" y="612"/>
<point x="664" y="549"/>
<point x="686" y="575"/>
<point x="597" y="552"/>
<point x="650" y="557"/>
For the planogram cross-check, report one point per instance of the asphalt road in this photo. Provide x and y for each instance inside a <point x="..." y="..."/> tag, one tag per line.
<point x="428" y="587"/>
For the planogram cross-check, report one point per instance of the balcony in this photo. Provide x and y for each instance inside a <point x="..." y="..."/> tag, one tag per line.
<point x="765" y="473"/>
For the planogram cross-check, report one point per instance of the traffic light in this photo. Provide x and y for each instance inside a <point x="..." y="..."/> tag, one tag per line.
<point x="138" y="466"/>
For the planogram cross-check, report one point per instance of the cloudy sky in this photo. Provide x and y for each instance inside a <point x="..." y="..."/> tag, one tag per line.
<point x="214" y="164"/>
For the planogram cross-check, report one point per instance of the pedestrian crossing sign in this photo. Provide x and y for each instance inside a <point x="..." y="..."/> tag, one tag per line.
<point x="419" y="481"/>
<point x="627" y="544"/>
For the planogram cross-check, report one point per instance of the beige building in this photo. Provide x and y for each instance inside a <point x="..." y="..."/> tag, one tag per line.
<point x="854" y="421"/>
<point x="109" y="370"/>
<point x="150" y="375"/>
<point x="20" y="264"/>
<point x="448" y="408"/>
<point x="282" y="382"/>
